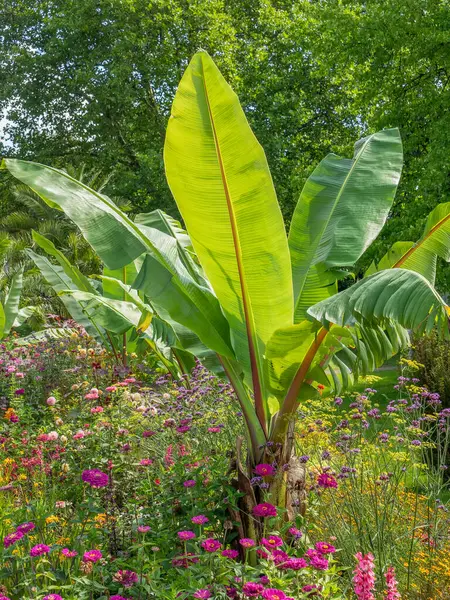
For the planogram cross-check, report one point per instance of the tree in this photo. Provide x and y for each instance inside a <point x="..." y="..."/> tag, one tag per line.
<point x="267" y="304"/>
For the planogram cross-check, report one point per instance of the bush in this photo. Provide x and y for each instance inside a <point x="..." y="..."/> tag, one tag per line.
<point x="433" y="354"/>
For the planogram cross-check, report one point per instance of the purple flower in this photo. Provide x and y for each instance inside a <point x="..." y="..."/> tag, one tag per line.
<point x="95" y="478"/>
<point x="25" y="527"/>
<point x="273" y="594"/>
<point x="295" y="532"/>
<point x="304" y="458"/>
<point x="211" y="545"/>
<point x="126" y="578"/>
<point x="265" y="510"/>
<point x="247" y="542"/>
<point x="202" y="594"/>
<point x="52" y="597"/>
<point x="143" y="528"/>
<point x="229" y="553"/>
<point x="324" y="548"/>
<point x="189" y="483"/>
<point x="295" y="564"/>
<point x="273" y="541"/>
<point x="200" y="520"/>
<point x="69" y="553"/>
<point x="12" y="538"/>
<point x="326" y="481"/>
<point x="251" y="590"/>
<point x="39" y="550"/>
<point x="117" y="597"/>
<point x="186" y="535"/>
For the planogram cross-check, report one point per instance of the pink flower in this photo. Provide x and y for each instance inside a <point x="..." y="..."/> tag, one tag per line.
<point x="265" y="510"/>
<point x="214" y="429"/>
<point x="295" y="564"/>
<point x="324" y="548"/>
<point x="148" y="434"/>
<point x="203" y="594"/>
<point x="111" y="388"/>
<point x="200" y="520"/>
<point x="143" y="528"/>
<point x="279" y="557"/>
<point x="251" y="590"/>
<point x="4" y="597"/>
<point x="264" y="470"/>
<point x="92" y="556"/>
<point x="211" y="545"/>
<point x="146" y="462"/>
<point x="392" y="592"/>
<point x="69" y="553"/>
<point x="12" y="538"/>
<point x="326" y="481"/>
<point x="95" y="478"/>
<point x="96" y="409"/>
<point x="229" y="553"/>
<point x="273" y="541"/>
<point x="51" y="401"/>
<point x="273" y="594"/>
<point x="186" y="535"/>
<point x="295" y="532"/>
<point x="189" y="483"/>
<point x="39" y="550"/>
<point x="247" y="542"/>
<point x="126" y="578"/>
<point x="25" y="527"/>
<point x="52" y="597"/>
<point x="364" y="577"/>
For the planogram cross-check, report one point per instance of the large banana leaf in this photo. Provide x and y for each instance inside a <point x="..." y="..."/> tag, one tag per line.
<point x="11" y="304"/>
<point x="57" y="278"/>
<point x="398" y="295"/>
<point x="2" y="321"/>
<point x="220" y="179"/>
<point x="390" y="259"/>
<point x="342" y="208"/>
<point x="80" y="281"/>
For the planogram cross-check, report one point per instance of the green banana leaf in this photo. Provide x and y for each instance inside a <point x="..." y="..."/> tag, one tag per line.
<point x="12" y="300"/>
<point x="342" y="208"/>
<point x="220" y="179"/>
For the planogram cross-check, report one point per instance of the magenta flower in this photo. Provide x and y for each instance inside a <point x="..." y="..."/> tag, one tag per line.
<point x="264" y="470"/>
<point x="69" y="553"/>
<point x="92" y="556"/>
<point x="297" y="533"/>
<point x="143" y="528"/>
<point x="25" y="527"/>
<point x="186" y="535"/>
<point x="273" y="594"/>
<point x="118" y="597"/>
<point x="324" y="548"/>
<point x="189" y="483"/>
<point x="4" y="597"/>
<point x="52" y="597"/>
<point x="392" y="592"/>
<point x="311" y="588"/>
<point x="95" y="478"/>
<point x="326" y="481"/>
<point x="211" y="545"/>
<point x="273" y="541"/>
<point x="126" y="578"/>
<point x="146" y="462"/>
<point x="202" y="594"/>
<point x="279" y="557"/>
<point x="247" y="542"/>
<point x="229" y="553"/>
<point x="200" y="520"/>
<point x="295" y="564"/>
<point x="251" y="590"/>
<point x="265" y="510"/>
<point x="12" y="538"/>
<point x="39" y="550"/>
<point x="364" y="577"/>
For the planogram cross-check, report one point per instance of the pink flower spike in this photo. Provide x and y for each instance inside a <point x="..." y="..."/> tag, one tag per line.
<point x="364" y="577"/>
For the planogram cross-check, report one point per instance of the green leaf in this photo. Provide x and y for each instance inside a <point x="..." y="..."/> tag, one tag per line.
<point x="398" y="295"/>
<point x="2" y="321"/>
<point x="11" y="304"/>
<point x="390" y="259"/>
<point x="24" y="314"/>
<point x="342" y="208"/>
<point x="220" y="179"/>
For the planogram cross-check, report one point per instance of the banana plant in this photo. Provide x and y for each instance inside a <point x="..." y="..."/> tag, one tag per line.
<point x="266" y="304"/>
<point x="10" y="314"/>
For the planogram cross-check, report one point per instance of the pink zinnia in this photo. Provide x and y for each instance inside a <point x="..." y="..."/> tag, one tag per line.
<point x="52" y="597"/>
<point x="273" y="541"/>
<point x="392" y="592"/>
<point x="189" y="483"/>
<point x="146" y="462"/>
<point x="326" y="481"/>
<point x="92" y="556"/>
<point x="25" y="527"/>
<point x="295" y="564"/>
<point x="265" y="510"/>
<point x="12" y="538"/>
<point x="200" y="520"/>
<point x="211" y="545"/>
<point x="126" y="578"/>
<point x="229" y="553"/>
<point x="186" y="535"/>
<point x="247" y="542"/>
<point x="364" y="577"/>
<point x="264" y="470"/>
<point x="95" y="478"/>
<point x="69" y="553"/>
<point x="39" y="550"/>
<point x="251" y="590"/>
<point x="143" y="528"/>
<point x="324" y="548"/>
<point x="273" y="594"/>
<point x="202" y="594"/>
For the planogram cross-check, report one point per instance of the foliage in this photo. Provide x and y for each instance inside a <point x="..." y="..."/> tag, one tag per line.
<point x="433" y="356"/>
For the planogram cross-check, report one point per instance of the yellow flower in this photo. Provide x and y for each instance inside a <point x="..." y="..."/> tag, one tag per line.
<point x="52" y="519"/>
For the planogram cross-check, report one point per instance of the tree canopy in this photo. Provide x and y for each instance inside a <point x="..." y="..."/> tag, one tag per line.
<point x="92" y="82"/>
